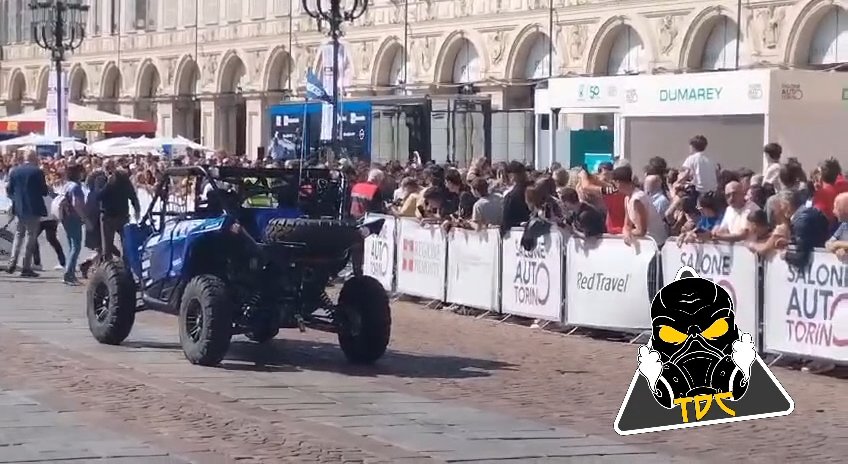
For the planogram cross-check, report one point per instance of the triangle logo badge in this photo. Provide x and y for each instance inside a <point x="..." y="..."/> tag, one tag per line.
<point x="698" y="368"/>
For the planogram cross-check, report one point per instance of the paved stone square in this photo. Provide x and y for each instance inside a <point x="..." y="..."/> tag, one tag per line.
<point x="451" y="389"/>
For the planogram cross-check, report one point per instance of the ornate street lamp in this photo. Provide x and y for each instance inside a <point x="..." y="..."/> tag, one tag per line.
<point x="58" y="26"/>
<point x="334" y="13"/>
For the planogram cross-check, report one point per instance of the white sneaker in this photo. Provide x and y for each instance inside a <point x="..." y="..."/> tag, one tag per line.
<point x="58" y="267"/>
<point x="536" y="324"/>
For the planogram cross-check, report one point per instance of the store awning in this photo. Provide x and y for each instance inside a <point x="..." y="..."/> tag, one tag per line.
<point x="82" y="119"/>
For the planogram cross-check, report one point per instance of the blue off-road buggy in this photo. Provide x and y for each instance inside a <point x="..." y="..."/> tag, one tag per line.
<point x="243" y="251"/>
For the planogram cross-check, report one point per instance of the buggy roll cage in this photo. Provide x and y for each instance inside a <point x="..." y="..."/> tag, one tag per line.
<point x="213" y="174"/>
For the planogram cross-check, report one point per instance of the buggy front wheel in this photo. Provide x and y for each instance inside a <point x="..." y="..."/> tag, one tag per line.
<point x="205" y="320"/>
<point x="363" y="320"/>
<point x="110" y="303"/>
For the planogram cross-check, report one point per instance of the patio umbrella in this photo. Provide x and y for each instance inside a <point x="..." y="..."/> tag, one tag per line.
<point x="36" y="139"/>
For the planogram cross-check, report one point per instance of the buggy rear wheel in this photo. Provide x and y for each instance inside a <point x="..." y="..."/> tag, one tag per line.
<point x="110" y="303"/>
<point x="205" y="320"/>
<point x="364" y="320"/>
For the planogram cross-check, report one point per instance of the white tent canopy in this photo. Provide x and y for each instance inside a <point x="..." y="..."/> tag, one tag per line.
<point x="75" y="113"/>
<point x="36" y="139"/>
<point x="126" y="145"/>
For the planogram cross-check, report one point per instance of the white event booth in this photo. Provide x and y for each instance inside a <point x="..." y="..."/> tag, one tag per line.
<point x="738" y="111"/>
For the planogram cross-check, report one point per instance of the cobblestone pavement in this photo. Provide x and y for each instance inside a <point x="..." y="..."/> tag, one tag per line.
<point x="453" y="388"/>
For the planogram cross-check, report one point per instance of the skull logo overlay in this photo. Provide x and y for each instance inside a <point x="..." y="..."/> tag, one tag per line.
<point x="696" y="350"/>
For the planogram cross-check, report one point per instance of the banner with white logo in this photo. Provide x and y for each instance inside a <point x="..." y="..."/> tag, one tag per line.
<point x="732" y="266"/>
<point x="345" y="76"/>
<point x="422" y="260"/>
<point x="607" y="283"/>
<point x="532" y="280"/>
<point x="379" y="260"/>
<point x="473" y="263"/>
<point x="51" y="123"/>
<point x="805" y="312"/>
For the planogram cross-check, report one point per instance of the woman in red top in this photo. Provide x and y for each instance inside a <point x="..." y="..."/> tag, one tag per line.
<point x="832" y="184"/>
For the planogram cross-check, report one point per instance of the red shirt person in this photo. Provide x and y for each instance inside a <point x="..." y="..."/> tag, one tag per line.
<point x="833" y="183"/>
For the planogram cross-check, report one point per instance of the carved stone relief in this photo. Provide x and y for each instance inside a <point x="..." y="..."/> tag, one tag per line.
<point x="396" y="14"/>
<point x="128" y="77"/>
<point x="4" y="73"/>
<point x="424" y="48"/>
<point x="428" y="13"/>
<point x="209" y="69"/>
<point x="461" y="8"/>
<point x="256" y="63"/>
<point x="94" y="76"/>
<point x="574" y="40"/>
<point x="497" y="43"/>
<point x="668" y="33"/>
<point x="32" y="81"/>
<point x="170" y="68"/>
<point x="764" y="28"/>
<point x="366" y="53"/>
<point x="305" y="57"/>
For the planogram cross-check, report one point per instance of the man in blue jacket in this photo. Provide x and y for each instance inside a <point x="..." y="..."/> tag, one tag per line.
<point x="26" y="188"/>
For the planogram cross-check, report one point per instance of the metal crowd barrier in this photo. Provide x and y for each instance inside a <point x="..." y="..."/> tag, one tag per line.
<point x="606" y="284"/>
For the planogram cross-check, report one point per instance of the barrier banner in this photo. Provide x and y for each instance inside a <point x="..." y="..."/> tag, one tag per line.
<point x="607" y="283"/>
<point x="473" y="263"/>
<point x="731" y="266"/>
<point x="422" y="260"/>
<point x="379" y="261"/>
<point x="806" y="311"/>
<point x="531" y="281"/>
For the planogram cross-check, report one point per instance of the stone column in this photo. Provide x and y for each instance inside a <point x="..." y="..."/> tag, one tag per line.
<point x="209" y="134"/>
<point x="28" y="106"/>
<point x="553" y="128"/>
<point x="126" y="109"/>
<point x="256" y="131"/>
<point x="165" y="123"/>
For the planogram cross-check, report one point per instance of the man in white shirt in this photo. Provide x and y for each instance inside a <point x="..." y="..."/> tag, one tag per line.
<point x="734" y="224"/>
<point x="698" y="168"/>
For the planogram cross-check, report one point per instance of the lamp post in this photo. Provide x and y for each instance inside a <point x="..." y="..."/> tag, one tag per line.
<point x="58" y="26"/>
<point x="333" y="13"/>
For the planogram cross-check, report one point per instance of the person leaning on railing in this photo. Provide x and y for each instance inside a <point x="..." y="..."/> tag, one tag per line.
<point x="838" y="243"/>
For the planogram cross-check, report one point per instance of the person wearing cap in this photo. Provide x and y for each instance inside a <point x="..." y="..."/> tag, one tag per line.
<point x="516" y="211"/>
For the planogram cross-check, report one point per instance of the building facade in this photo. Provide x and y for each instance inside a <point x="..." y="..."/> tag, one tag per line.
<point x="209" y="69"/>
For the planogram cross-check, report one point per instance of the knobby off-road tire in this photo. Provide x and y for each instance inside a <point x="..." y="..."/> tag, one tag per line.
<point x="205" y="341"/>
<point x="364" y="298"/>
<point x="322" y="237"/>
<point x="110" y="303"/>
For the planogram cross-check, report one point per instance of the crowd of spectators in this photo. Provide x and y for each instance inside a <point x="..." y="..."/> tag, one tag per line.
<point x="695" y="202"/>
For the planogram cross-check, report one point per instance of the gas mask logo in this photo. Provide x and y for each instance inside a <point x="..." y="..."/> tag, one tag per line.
<point x="698" y="368"/>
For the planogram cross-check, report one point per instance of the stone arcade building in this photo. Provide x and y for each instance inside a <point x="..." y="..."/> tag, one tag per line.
<point x="210" y="68"/>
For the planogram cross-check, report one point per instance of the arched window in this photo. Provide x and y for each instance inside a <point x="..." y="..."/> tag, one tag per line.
<point x="538" y="59"/>
<point x="466" y="65"/>
<point x="625" y="55"/>
<point x="830" y="41"/>
<point x="720" y="46"/>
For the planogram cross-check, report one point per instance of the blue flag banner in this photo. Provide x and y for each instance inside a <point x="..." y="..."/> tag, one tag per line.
<point x="314" y="88"/>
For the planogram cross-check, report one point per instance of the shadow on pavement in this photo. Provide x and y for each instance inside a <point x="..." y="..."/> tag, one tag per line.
<point x="284" y="355"/>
